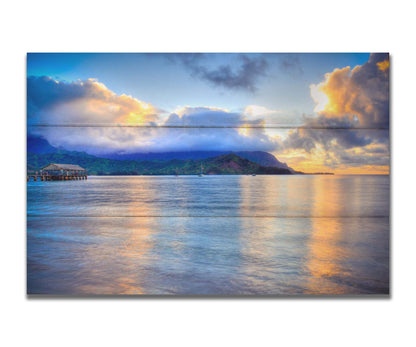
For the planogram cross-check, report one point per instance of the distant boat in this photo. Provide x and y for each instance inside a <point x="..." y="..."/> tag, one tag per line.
<point x="201" y="174"/>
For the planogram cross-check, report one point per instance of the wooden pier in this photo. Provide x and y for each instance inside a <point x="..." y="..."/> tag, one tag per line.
<point x="37" y="177"/>
<point x="59" y="172"/>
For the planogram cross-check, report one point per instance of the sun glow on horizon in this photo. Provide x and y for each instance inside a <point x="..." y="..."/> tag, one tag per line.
<point x="315" y="162"/>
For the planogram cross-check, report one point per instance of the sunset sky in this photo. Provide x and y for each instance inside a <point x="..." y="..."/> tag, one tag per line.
<point x="316" y="112"/>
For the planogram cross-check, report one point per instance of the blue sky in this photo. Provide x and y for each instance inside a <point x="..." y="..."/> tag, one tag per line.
<point x="163" y="81"/>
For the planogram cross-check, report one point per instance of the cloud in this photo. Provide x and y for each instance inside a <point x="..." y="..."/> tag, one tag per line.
<point x="337" y="148"/>
<point x="232" y="131"/>
<point x="181" y="131"/>
<point x="90" y="102"/>
<point x="273" y="118"/>
<point x="54" y="102"/>
<point x="360" y="94"/>
<point x="291" y="64"/>
<point x="214" y="117"/>
<point x="243" y="77"/>
<point x="256" y="111"/>
<point x="352" y="123"/>
<point x="373" y="158"/>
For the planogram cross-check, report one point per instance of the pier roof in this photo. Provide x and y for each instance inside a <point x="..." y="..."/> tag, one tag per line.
<point x="55" y="166"/>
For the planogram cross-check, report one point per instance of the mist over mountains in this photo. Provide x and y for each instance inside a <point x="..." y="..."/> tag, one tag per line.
<point x="39" y="151"/>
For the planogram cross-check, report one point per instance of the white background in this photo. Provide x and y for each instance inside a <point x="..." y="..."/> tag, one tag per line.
<point x="221" y="26"/>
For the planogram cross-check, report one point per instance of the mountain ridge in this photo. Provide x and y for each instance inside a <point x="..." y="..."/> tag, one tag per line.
<point x="41" y="146"/>
<point x="227" y="164"/>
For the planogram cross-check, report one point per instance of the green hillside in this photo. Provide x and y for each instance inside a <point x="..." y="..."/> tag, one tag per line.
<point x="228" y="164"/>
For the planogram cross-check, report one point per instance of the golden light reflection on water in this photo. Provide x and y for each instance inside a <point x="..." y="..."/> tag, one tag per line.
<point x="115" y="259"/>
<point x="258" y="243"/>
<point x="136" y="248"/>
<point x="134" y="245"/>
<point x="323" y="250"/>
<point x="139" y="243"/>
<point x="250" y="242"/>
<point x="284" y="235"/>
<point x="325" y="253"/>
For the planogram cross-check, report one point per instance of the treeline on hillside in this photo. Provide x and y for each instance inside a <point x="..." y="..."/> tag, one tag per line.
<point x="230" y="164"/>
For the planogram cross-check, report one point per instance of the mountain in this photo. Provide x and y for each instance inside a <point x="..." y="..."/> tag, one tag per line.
<point x="227" y="164"/>
<point x="259" y="157"/>
<point x="263" y="158"/>
<point x="234" y="164"/>
<point x="37" y="147"/>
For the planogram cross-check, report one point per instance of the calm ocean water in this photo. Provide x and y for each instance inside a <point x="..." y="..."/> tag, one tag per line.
<point x="212" y="235"/>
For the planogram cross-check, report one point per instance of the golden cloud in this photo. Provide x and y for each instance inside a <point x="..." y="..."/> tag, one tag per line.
<point x="83" y="102"/>
<point x="383" y="65"/>
<point x="104" y="104"/>
<point x="361" y="93"/>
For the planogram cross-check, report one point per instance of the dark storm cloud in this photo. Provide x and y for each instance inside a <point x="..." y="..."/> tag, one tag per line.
<point x="308" y="138"/>
<point x="373" y="78"/>
<point x="88" y="101"/>
<point x="244" y="76"/>
<point x="43" y="92"/>
<point x="352" y="147"/>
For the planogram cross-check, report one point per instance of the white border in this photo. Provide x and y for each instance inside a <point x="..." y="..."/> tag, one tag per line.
<point x="307" y="26"/>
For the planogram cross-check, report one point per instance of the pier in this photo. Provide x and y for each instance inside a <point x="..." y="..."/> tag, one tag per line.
<point x="59" y="172"/>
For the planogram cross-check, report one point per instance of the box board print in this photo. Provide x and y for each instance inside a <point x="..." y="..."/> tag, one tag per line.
<point x="208" y="174"/>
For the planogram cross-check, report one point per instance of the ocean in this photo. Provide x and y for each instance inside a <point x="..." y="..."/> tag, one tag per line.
<point x="212" y="235"/>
